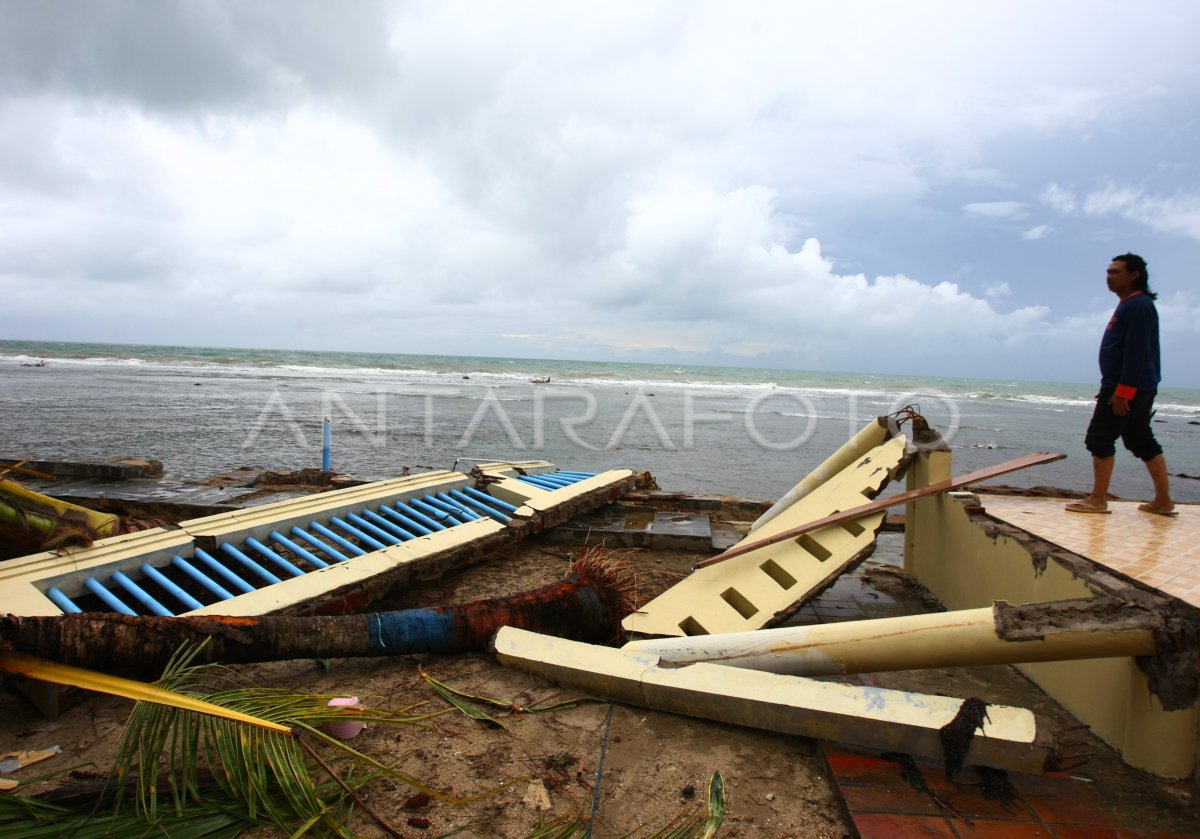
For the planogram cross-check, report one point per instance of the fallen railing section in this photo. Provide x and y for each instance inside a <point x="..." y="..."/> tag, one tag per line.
<point x="334" y="551"/>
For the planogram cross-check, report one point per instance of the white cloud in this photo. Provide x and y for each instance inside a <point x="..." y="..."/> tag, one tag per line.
<point x="997" y="290"/>
<point x="1006" y="210"/>
<point x="1059" y="198"/>
<point x="1039" y="232"/>
<point x="1177" y="214"/>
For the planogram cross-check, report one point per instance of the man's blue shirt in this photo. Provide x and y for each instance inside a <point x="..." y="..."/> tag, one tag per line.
<point x="1129" y="354"/>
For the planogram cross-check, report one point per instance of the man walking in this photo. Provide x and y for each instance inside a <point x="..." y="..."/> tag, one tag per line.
<point x="1129" y="377"/>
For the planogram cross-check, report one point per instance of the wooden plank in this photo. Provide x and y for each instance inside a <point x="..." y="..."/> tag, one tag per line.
<point x="20" y="467"/>
<point x="1014" y="465"/>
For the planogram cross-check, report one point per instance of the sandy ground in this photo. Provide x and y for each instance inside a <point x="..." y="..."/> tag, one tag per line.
<point x="656" y="766"/>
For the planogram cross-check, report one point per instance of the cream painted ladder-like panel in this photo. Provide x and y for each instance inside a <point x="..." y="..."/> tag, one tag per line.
<point x="746" y="592"/>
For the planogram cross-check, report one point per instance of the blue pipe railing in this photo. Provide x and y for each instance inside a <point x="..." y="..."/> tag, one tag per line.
<point x="235" y="569"/>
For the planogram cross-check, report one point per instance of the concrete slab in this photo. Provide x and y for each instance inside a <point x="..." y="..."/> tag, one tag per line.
<point x="638" y="527"/>
<point x="868" y="717"/>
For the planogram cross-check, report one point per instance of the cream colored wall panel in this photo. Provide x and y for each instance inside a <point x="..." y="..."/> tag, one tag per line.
<point x="746" y="592"/>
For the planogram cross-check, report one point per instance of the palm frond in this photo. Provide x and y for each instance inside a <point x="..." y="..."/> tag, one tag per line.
<point x="445" y="691"/>
<point x="63" y="674"/>
<point x="716" y="805"/>
<point x="225" y="759"/>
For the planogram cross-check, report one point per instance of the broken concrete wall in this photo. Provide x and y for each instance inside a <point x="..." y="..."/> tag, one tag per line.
<point x="968" y="561"/>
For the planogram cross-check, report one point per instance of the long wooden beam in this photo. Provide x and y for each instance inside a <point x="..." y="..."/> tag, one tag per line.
<point x="20" y="467"/>
<point x="1035" y="459"/>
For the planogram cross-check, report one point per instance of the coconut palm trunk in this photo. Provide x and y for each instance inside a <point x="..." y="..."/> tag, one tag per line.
<point x="587" y="605"/>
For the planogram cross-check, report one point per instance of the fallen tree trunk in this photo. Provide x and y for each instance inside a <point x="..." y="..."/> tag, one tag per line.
<point x="588" y="605"/>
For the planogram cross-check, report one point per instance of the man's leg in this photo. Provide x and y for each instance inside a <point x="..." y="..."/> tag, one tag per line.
<point x="1102" y="433"/>
<point x="1157" y="467"/>
<point x="1138" y="437"/>
<point x="1102" y="470"/>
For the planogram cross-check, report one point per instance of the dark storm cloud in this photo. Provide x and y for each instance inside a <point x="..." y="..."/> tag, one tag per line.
<point x="178" y="56"/>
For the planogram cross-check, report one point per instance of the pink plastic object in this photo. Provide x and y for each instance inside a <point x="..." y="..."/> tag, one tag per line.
<point x="350" y="728"/>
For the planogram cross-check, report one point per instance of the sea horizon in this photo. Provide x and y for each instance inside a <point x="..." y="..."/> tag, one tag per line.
<point x="1182" y="399"/>
<point x="748" y="431"/>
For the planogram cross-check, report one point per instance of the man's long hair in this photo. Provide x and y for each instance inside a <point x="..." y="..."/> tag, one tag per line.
<point x="1135" y="263"/>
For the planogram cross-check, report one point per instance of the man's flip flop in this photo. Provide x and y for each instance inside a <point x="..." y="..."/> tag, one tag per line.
<point x="1158" y="511"/>
<point x="1076" y="507"/>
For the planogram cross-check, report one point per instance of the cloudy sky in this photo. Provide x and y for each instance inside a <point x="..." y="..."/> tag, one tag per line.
<point x="924" y="187"/>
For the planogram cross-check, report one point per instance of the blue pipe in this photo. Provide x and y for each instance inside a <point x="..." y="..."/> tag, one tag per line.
<point x="224" y="573"/>
<point x="267" y="553"/>
<point x="419" y="516"/>
<point x="319" y="545"/>
<point x="475" y="504"/>
<point x="193" y="572"/>
<point x="346" y="527"/>
<point x="448" y="511"/>
<point x="538" y="481"/>
<point x="308" y="557"/>
<point x="327" y="446"/>
<point x="174" y="590"/>
<point x="61" y="600"/>
<point x="449" y="503"/>
<point x="345" y="543"/>
<point x="141" y="595"/>
<point x="551" y="478"/>
<point x="391" y="527"/>
<point x="249" y="564"/>
<point x="435" y="508"/>
<point x="490" y="499"/>
<point x="110" y="600"/>
<point x="412" y="526"/>
<point x="378" y="532"/>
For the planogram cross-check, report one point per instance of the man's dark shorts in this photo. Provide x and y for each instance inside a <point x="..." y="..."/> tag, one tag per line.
<point x="1133" y="429"/>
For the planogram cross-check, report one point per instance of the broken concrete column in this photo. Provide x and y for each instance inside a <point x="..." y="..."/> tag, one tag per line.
<point x="1069" y="630"/>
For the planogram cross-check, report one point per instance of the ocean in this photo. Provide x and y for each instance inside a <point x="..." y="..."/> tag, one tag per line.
<point x="731" y="430"/>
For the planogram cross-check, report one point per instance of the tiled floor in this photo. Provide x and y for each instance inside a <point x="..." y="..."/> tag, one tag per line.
<point x="887" y="800"/>
<point x="1156" y="550"/>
